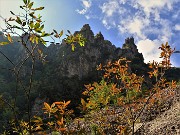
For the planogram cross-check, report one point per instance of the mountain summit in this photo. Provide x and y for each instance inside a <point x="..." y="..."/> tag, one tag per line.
<point x="97" y="50"/>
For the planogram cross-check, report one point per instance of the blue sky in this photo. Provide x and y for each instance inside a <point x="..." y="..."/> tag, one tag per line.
<point x="150" y="22"/>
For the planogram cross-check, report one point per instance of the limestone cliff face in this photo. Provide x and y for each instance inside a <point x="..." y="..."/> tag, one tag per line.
<point x="84" y="60"/>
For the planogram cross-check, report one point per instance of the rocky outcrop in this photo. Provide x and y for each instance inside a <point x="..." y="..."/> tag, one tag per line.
<point x="97" y="50"/>
<point x="129" y="48"/>
<point x="87" y="33"/>
<point x="167" y="122"/>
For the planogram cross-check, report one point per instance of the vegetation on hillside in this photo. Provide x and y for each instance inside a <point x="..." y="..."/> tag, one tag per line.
<point x="112" y="105"/>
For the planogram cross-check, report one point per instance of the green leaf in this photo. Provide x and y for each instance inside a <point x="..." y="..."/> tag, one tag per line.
<point x="73" y="47"/>
<point x="37" y="25"/>
<point x="38" y="30"/>
<point x="25" y="1"/>
<point x="29" y="1"/>
<point x="31" y="24"/>
<point x="30" y="5"/>
<point x="43" y="42"/>
<point x="42" y="26"/>
<point x="81" y="43"/>
<point x="18" y="20"/>
<point x="4" y="43"/>
<point x="39" y="16"/>
<point x="45" y="34"/>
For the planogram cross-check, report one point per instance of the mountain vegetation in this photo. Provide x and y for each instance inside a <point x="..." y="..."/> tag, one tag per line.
<point x="34" y="76"/>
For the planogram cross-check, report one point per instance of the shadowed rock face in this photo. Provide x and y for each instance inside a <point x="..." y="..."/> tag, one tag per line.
<point x="97" y="50"/>
<point x="83" y="60"/>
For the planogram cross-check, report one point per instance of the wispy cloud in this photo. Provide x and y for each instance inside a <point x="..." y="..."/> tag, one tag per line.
<point x="153" y="7"/>
<point x="110" y="8"/>
<point x="177" y="27"/>
<point x="150" y="22"/>
<point x="86" y="4"/>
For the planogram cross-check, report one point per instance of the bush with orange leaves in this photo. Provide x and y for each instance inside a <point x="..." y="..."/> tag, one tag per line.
<point x="114" y="105"/>
<point x="123" y="90"/>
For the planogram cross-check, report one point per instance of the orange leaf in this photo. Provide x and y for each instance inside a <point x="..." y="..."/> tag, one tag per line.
<point x="59" y="123"/>
<point x="59" y="103"/>
<point x="62" y="129"/>
<point x="65" y="105"/>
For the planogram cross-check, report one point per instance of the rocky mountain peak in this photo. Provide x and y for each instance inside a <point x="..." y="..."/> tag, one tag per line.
<point x="87" y="32"/>
<point x="86" y="27"/>
<point x="99" y="38"/>
<point x="129" y="44"/>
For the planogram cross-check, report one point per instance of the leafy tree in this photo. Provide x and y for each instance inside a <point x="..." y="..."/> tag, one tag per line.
<point x="119" y="97"/>
<point x="29" y="28"/>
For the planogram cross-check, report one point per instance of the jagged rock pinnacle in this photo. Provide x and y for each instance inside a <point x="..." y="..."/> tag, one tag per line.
<point x="87" y="32"/>
<point x="129" y="44"/>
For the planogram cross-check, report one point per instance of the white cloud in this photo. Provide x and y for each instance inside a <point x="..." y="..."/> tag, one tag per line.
<point x="111" y="10"/>
<point x="149" y="21"/>
<point x="110" y="7"/>
<point x="134" y="26"/>
<point x="149" y="49"/>
<point x="149" y="6"/>
<point x="86" y="5"/>
<point x="165" y="32"/>
<point x="177" y="27"/>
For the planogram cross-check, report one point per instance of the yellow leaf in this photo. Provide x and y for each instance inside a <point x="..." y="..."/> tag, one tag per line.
<point x="38" y="128"/>
<point x="83" y="104"/>
<point x="39" y="51"/>
<point x="46" y="105"/>
<point x="9" y="38"/>
<point x="52" y="105"/>
<point x="4" y="43"/>
<point x="61" y="33"/>
<point x="73" y="47"/>
<point x="37" y="40"/>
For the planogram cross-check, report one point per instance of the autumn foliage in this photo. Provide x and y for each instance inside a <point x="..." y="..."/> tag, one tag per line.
<point x="123" y="89"/>
<point x="113" y="105"/>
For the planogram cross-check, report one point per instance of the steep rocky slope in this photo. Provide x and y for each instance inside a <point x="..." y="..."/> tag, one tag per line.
<point x="167" y="122"/>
